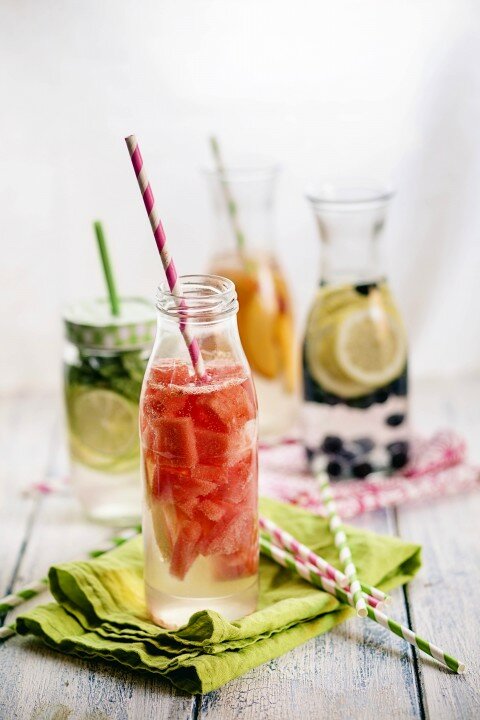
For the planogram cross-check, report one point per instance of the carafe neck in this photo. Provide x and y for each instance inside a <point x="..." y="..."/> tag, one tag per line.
<point x="351" y="224"/>
<point x="242" y="198"/>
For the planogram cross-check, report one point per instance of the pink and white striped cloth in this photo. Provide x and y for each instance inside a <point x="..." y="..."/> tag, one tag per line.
<point x="437" y="468"/>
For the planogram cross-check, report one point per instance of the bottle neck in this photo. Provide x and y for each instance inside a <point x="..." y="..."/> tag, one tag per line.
<point x="242" y="201"/>
<point x="351" y="232"/>
<point x="203" y="300"/>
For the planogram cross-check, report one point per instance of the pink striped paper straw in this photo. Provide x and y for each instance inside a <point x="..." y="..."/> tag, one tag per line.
<point x="167" y="260"/>
<point x="287" y="541"/>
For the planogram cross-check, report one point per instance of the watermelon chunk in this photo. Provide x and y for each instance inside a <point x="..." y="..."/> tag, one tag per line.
<point x="173" y="439"/>
<point x="160" y="401"/>
<point x="166" y="479"/>
<point x="170" y="373"/>
<point x="228" y="534"/>
<point x="214" y="510"/>
<point x="219" y="449"/>
<point x="185" y="550"/>
<point x="224" y="409"/>
<point x="207" y="474"/>
<point x="242" y="563"/>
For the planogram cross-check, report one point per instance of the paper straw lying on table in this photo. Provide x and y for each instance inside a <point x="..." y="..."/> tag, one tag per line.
<point x="286" y="560"/>
<point x="288" y="542"/>
<point x="336" y="527"/>
<point x="164" y="252"/>
<point x="17" y="598"/>
<point x="304" y="569"/>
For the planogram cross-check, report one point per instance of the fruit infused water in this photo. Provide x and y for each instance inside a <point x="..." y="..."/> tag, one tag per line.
<point x="199" y="460"/>
<point x="265" y="323"/>
<point x="105" y="360"/>
<point x="242" y="197"/>
<point x="355" y="348"/>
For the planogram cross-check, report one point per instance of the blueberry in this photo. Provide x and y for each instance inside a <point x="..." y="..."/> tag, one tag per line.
<point x="381" y="396"/>
<point x="362" y="403"/>
<point x="365" y="288"/>
<point x="348" y="455"/>
<point x="309" y="454"/>
<point x="398" y="446"/>
<point x="365" y="444"/>
<point x="332" y="444"/>
<point x="395" y="420"/>
<point x="362" y="469"/>
<point x="334" y="468"/>
<point x="398" y="453"/>
<point x="398" y="459"/>
<point x="400" y="385"/>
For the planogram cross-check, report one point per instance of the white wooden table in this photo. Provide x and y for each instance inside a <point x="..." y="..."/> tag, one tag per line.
<point x="356" y="671"/>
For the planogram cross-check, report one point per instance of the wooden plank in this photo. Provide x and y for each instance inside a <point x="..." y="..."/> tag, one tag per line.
<point x="441" y="598"/>
<point x="356" y="671"/>
<point x="48" y="685"/>
<point x="25" y="429"/>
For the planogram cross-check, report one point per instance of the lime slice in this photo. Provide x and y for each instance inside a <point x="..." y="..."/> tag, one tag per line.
<point x="370" y="346"/>
<point x="103" y="423"/>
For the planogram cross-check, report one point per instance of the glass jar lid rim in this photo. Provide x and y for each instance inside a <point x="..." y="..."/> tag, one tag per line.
<point x="95" y="312"/>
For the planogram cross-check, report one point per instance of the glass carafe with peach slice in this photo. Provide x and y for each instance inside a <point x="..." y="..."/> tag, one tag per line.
<point x="242" y="198"/>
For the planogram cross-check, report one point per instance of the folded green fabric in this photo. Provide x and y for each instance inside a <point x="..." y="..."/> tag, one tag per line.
<point x="100" y="609"/>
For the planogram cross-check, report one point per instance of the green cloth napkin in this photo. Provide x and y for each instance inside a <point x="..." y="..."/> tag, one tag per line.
<point x="100" y="609"/>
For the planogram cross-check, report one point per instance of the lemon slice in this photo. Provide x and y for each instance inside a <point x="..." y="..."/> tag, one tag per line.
<point x="103" y="422"/>
<point x="370" y="346"/>
<point x="320" y="355"/>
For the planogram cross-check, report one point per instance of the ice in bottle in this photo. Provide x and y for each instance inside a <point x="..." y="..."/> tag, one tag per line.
<point x="354" y="413"/>
<point x="199" y="459"/>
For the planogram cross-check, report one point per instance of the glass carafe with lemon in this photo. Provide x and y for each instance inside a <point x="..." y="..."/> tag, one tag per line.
<point x="355" y="350"/>
<point x="242" y="196"/>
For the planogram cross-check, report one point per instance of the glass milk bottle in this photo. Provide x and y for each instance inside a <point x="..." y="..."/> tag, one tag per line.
<point x="354" y="413"/>
<point x="104" y="363"/>
<point x="243" y="203"/>
<point x="199" y="460"/>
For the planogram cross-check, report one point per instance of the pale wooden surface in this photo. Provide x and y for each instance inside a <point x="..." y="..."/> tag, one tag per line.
<point x="356" y="671"/>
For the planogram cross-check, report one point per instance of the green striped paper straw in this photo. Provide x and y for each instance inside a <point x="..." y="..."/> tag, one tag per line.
<point x="17" y="598"/>
<point x="336" y="527"/>
<point x="229" y="200"/>
<point x="288" y="561"/>
<point x="369" y="599"/>
<point x="107" y="268"/>
<point x="313" y="574"/>
<point x="288" y="542"/>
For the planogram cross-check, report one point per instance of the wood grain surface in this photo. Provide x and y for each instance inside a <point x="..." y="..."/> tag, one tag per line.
<point x="356" y="671"/>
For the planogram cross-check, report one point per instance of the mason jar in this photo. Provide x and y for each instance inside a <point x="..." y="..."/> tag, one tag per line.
<point x="104" y="363"/>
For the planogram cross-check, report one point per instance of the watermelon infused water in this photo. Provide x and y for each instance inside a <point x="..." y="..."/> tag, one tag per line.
<point x="199" y="460"/>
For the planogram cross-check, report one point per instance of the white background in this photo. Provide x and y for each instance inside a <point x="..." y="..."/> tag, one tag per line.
<point x="385" y="88"/>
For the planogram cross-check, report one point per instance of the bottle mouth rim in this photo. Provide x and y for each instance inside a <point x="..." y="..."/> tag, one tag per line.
<point x="202" y="299"/>
<point x="345" y="194"/>
<point x="244" y="168"/>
